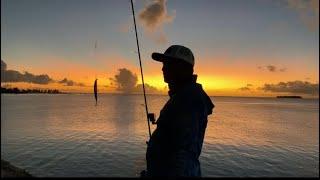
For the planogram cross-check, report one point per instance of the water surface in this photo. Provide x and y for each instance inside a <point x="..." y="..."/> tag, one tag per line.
<point x="67" y="135"/>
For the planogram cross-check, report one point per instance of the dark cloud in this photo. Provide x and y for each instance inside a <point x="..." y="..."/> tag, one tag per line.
<point x="298" y="87"/>
<point x="37" y="79"/>
<point x="3" y="66"/>
<point x="271" y="68"/>
<point x="126" y="81"/>
<point x="308" y="11"/>
<point x="149" y="89"/>
<point x="153" y="17"/>
<point x="246" y="88"/>
<point x="81" y="84"/>
<point x="16" y="76"/>
<point x="11" y="76"/>
<point x="282" y="69"/>
<point x="67" y="82"/>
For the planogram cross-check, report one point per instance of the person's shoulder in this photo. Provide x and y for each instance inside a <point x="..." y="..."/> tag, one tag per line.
<point x="191" y="95"/>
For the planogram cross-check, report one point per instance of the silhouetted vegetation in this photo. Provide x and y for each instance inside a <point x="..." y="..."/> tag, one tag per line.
<point x="289" y="97"/>
<point x="29" y="91"/>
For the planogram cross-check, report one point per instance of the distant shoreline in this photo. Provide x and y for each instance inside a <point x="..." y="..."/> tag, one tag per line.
<point x="298" y="97"/>
<point x="55" y="91"/>
<point x="29" y="91"/>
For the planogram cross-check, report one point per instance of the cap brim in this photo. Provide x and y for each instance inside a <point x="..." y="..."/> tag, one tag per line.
<point x="158" y="57"/>
<point x="161" y="57"/>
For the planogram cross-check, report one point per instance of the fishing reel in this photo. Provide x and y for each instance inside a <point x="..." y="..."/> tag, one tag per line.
<point x="151" y="118"/>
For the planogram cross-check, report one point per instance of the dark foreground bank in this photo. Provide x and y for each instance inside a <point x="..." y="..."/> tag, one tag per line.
<point x="8" y="170"/>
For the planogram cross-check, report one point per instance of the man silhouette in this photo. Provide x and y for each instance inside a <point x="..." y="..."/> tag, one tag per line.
<point x="175" y="146"/>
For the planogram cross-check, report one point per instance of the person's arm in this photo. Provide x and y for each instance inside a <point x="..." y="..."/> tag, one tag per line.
<point x="183" y="134"/>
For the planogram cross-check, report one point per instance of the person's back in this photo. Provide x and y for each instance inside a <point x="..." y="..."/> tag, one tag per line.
<point x="175" y="145"/>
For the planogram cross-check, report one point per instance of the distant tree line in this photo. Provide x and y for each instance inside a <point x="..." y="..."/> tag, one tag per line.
<point x="25" y="91"/>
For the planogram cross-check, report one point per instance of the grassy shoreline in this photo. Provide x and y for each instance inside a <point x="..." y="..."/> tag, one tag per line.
<point x="9" y="170"/>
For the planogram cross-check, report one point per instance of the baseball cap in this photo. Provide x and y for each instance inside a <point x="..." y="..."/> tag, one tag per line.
<point x="176" y="52"/>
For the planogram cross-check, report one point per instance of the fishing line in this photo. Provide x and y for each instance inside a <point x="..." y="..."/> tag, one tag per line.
<point x="144" y="91"/>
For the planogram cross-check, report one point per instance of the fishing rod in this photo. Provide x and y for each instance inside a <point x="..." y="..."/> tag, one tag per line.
<point x="150" y="116"/>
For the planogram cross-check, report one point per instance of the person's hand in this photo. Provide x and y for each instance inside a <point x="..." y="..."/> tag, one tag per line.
<point x="143" y="174"/>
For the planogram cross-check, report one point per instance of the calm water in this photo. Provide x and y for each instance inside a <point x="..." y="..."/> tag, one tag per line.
<point x="67" y="135"/>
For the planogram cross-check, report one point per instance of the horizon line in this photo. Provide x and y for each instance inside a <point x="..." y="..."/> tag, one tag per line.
<point x="153" y="94"/>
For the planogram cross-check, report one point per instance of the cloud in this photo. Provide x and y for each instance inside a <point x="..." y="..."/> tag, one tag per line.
<point x="282" y="69"/>
<point x="246" y="88"/>
<point x="16" y="76"/>
<point x="67" y="82"/>
<point x="272" y="68"/>
<point x="149" y="89"/>
<point x="126" y="81"/>
<point x="299" y="87"/>
<point x="37" y="79"/>
<point x="153" y="17"/>
<point x="308" y="12"/>
<point x="3" y="66"/>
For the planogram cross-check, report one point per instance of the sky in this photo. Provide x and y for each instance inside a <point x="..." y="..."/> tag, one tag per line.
<point x="241" y="48"/>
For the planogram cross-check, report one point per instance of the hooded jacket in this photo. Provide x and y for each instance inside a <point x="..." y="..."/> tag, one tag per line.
<point x="175" y="146"/>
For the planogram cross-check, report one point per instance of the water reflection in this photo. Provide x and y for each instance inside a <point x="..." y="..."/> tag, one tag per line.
<point x="125" y="109"/>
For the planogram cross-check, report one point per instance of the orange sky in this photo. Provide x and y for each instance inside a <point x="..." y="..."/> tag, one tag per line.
<point x="220" y="77"/>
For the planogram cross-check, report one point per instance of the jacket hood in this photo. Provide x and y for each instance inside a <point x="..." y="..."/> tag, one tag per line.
<point x="206" y="100"/>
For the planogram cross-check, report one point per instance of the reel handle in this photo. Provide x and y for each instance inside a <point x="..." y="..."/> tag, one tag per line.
<point x="151" y="117"/>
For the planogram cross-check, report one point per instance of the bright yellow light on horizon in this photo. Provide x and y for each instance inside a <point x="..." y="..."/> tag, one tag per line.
<point x="217" y="82"/>
<point x="208" y="82"/>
